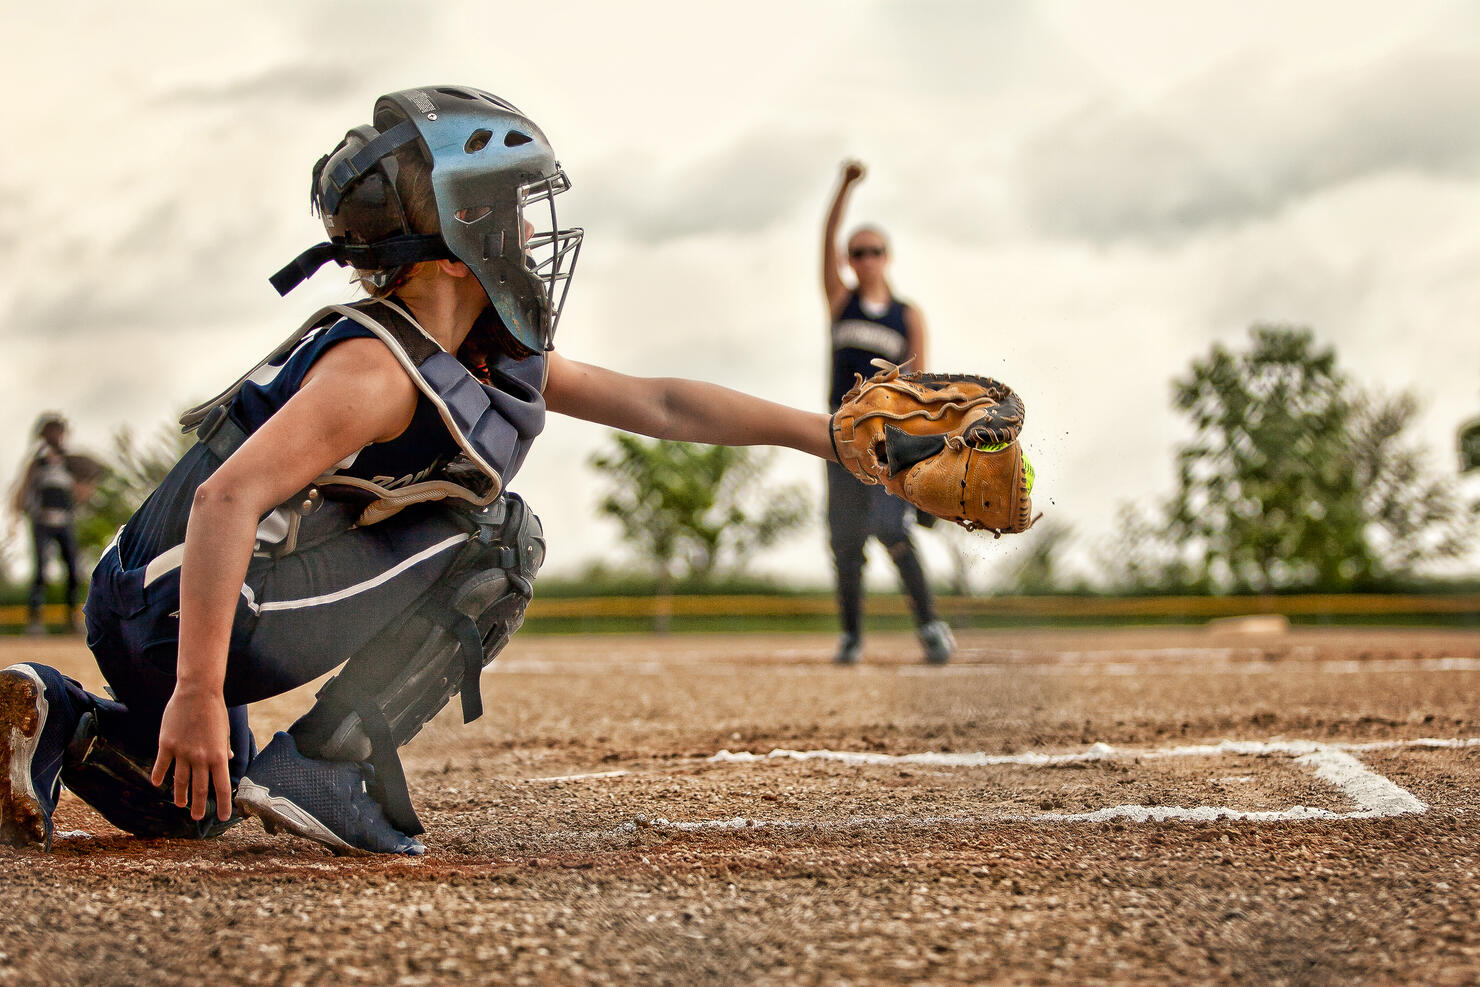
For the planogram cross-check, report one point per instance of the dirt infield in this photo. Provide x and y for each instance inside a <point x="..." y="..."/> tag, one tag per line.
<point x="1129" y="805"/>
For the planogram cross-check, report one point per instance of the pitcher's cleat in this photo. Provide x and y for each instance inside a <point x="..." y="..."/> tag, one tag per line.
<point x="325" y="801"/>
<point x="850" y="650"/>
<point x="938" y="641"/>
<point x="32" y="759"/>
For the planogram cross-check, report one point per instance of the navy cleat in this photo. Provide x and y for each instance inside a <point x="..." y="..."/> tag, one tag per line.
<point x="938" y="641"/>
<point x="31" y="746"/>
<point x="850" y="650"/>
<point x="326" y="801"/>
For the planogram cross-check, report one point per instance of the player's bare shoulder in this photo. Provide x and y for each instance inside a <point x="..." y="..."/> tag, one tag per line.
<point x="365" y="375"/>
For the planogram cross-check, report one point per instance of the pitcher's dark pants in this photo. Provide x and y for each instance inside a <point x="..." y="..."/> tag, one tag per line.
<point x="856" y="512"/>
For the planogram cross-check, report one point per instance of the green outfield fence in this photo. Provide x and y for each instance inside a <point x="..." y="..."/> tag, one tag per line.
<point x="818" y="609"/>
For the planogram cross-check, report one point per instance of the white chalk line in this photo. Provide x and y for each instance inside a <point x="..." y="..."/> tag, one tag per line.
<point x="1095" y="752"/>
<point x="1373" y="796"/>
<point x="583" y="777"/>
<point x="1191" y="661"/>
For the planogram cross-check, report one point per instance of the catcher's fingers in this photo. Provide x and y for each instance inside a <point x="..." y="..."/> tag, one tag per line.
<point x="200" y="788"/>
<point x="202" y="774"/>
<point x="222" y="778"/>
<point x="161" y="770"/>
<point x="182" y="782"/>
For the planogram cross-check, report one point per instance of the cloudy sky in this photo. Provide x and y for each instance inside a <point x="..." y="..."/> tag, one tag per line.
<point x="1082" y="197"/>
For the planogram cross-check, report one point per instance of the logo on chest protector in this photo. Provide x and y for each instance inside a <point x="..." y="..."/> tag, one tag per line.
<point x="391" y="483"/>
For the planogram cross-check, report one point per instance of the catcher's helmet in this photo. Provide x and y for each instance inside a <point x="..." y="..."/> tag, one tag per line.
<point x="488" y="162"/>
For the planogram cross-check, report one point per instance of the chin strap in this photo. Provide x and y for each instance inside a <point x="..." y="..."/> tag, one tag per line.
<point x="383" y="255"/>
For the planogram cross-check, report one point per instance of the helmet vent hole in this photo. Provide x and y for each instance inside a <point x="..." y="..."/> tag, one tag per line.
<point x="472" y="213"/>
<point x="514" y="138"/>
<point x="459" y="93"/>
<point x="477" y="141"/>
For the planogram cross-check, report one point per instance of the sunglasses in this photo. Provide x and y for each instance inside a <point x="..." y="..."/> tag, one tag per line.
<point x="859" y="253"/>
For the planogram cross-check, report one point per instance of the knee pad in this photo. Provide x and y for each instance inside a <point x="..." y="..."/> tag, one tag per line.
<point x="388" y="690"/>
<point x="901" y="549"/>
<point x="117" y="784"/>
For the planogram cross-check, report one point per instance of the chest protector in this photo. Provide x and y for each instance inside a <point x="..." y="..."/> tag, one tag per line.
<point x="493" y="425"/>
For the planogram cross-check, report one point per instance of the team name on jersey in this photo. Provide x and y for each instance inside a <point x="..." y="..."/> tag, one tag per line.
<point x="858" y="334"/>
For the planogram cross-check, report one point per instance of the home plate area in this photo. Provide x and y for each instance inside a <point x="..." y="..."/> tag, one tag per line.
<point x="1254" y="781"/>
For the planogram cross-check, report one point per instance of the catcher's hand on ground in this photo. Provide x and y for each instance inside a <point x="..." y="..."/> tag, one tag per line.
<point x="947" y="443"/>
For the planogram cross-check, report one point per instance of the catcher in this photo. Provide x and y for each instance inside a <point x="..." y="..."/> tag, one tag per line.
<point x="347" y="504"/>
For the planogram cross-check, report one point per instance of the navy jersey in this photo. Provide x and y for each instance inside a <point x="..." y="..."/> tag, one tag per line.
<point x="420" y="450"/>
<point x="858" y="338"/>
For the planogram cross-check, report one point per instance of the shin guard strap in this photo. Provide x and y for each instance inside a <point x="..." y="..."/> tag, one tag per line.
<point x="470" y="642"/>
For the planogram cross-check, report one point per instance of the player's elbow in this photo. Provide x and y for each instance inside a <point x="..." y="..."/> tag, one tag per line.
<point x="212" y="496"/>
<point x="218" y="497"/>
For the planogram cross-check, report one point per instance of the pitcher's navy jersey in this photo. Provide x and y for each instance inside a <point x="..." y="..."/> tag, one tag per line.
<point x="858" y="338"/>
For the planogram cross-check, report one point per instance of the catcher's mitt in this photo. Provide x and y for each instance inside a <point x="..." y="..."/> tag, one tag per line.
<point x="947" y="443"/>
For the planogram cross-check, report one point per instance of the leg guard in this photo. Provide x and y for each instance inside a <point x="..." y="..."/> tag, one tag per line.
<point x="117" y="784"/>
<point x="389" y="689"/>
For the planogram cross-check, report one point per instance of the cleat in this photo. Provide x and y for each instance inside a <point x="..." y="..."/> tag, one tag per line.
<point x="938" y="641"/>
<point x="328" y="802"/>
<point x="850" y="650"/>
<point x="32" y="760"/>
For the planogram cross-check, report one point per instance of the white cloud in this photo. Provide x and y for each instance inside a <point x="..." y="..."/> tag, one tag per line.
<point x="1246" y="141"/>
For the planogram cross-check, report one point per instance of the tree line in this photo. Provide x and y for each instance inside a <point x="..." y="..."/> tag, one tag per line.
<point x="1295" y="479"/>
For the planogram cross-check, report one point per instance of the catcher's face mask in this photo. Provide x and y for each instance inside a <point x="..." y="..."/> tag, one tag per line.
<point x="492" y="171"/>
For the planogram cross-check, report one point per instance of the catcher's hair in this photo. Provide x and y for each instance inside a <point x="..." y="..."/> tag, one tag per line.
<point x="414" y="187"/>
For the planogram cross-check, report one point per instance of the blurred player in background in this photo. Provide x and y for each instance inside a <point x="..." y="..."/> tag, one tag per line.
<point x="868" y="322"/>
<point x="47" y="494"/>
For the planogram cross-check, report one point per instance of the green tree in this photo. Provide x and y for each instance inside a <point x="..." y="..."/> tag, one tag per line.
<point x="135" y="468"/>
<point x="691" y="509"/>
<point x="12" y="560"/>
<point x="1294" y="479"/>
<point x="1042" y="571"/>
<point x="1413" y="517"/>
<point x="1468" y="440"/>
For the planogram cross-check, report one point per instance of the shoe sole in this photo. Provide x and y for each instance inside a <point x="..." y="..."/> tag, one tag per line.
<point x="277" y="813"/>
<point x="939" y="652"/>
<point x="23" y="711"/>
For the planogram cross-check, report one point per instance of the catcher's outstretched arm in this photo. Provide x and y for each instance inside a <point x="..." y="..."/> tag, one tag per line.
<point x="685" y="410"/>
